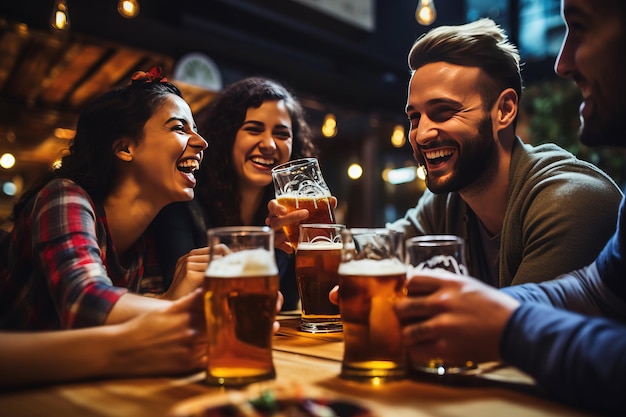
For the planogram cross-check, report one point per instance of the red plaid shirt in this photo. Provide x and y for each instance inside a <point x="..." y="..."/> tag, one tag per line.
<point x="59" y="268"/>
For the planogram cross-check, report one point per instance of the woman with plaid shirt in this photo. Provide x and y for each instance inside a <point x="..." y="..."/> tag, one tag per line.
<point x="76" y="254"/>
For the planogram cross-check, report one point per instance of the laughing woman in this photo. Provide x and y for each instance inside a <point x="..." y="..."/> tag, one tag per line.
<point x="252" y="125"/>
<point x="75" y="256"/>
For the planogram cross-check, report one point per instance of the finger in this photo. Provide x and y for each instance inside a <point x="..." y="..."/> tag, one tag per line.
<point x="417" y="333"/>
<point x="199" y="251"/>
<point x="275" y="208"/>
<point x="426" y="281"/>
<point x="186" y="302"/>
<point x="197" y="266"/>
<point x="416" y="308"/>
<point x="295" y="217"/>
<point x="220" y="250"/>
<point x="333" y="295"/>
<point x="279" y="301"/>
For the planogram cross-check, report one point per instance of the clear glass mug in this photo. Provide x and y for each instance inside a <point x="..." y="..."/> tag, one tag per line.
<point x="317" y="263"/>
<point x="438" y="252"/>
<point x="240" y="295"/>
<point x="371" y="279"/>
<point x="299" y="184"/>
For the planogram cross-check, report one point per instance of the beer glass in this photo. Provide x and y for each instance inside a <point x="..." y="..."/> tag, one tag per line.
<point x="317" y="264"/>
<point x="299" y="184"/>
<point x="371" y="279"/>
<point x="438" y="252"/>
<point x="240" y="294"/>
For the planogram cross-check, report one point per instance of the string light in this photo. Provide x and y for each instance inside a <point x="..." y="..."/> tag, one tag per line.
<point x="128" y="8"/>
<point x="425" y="14"/>
<point x="60" y="20"/>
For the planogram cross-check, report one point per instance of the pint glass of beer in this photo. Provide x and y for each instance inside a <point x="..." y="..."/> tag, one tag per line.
<point x="299" y="185"/>
<point x="445" y="252"/>
<point x="317" y="264"/>
<point x="371" y="280"/>
<point x="240" y="294"/>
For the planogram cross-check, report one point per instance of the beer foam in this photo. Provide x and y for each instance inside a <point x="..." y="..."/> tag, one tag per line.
<point x="372" y="267"/>
<point x="245" y="263"/>
<point x="320" y="245"/>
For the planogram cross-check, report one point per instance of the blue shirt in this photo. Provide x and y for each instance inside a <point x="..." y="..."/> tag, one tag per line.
<point x="577" y="351"/>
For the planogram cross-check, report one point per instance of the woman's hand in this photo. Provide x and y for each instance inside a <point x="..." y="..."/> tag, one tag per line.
<point x="278" y="217"/>
<point x="169" y="340"/>
<point x="189" y="273"/>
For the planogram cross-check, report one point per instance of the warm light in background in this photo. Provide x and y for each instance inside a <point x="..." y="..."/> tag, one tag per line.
<point x="329" y="128"/>
<point x="7" y="161"/>
<point x="421" y="172"/>
<point x="425" y="14"/>
<point x="397" y="137"/>
<point x="61" y="133"/>
<point x="399" y="175"/>
<point x="128" y="8"/>
<point x="56" y="164"/>
<point x="60" y="20"/>
<point x="355" y="171"/>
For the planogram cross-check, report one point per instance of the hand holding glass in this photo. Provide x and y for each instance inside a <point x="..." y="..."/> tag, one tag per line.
<point x="317" y="264"/>
<point x="241" y="290"/>
<point x="299" y="184"/>
<point x="438" y="252"/>
<point x="371" y="279"/>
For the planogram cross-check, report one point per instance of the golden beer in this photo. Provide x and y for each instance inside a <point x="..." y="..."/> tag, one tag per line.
<point x="316" y="274"/>
<point x="320" y="211"/>
<point x="373" y="345"/>
<point x="240" y="309"/>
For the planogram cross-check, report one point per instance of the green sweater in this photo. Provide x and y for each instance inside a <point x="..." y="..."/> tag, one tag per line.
<point x="560" y="213"/>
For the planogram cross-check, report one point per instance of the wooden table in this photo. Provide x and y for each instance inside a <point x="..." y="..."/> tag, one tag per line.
<point x="305" y="363"/>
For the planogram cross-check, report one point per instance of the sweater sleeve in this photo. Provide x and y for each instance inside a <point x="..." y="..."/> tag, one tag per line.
<point x="574" y="358"/>
<point x="569" y="215"/>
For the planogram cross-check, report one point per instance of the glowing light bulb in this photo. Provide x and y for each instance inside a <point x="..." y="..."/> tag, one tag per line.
<point x="397" y="137"/>
<point x="60" y="20"/>
<point x="128" y="8"/>
<point x="7" y="160"/>
<point x="425" y="14"/>
<point x="355" y="171"/>
<point x="329" y="128"/>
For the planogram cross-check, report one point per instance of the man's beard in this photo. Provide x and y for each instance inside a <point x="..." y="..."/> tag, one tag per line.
<point x="604" y="131"/>
<point x="477" y="160"/>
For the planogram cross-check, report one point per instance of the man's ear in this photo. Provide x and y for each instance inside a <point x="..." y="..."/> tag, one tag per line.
<point x="507" y="108"/>
<point x="122" y="150"/>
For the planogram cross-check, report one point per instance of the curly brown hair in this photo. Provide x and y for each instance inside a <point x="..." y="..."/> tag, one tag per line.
<point x="217" y="190"/>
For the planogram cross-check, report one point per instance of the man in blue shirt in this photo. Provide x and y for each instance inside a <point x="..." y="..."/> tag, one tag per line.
<point x="568" y="333"/>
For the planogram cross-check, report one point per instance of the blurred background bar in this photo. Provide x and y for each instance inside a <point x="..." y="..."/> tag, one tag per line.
<point x="345" y="60"/>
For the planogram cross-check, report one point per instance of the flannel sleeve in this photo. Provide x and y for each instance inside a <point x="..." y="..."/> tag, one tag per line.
<point x="66" y="242"/>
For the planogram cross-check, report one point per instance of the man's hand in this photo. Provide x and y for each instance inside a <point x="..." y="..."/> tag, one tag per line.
<point x="453" y="317"/>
